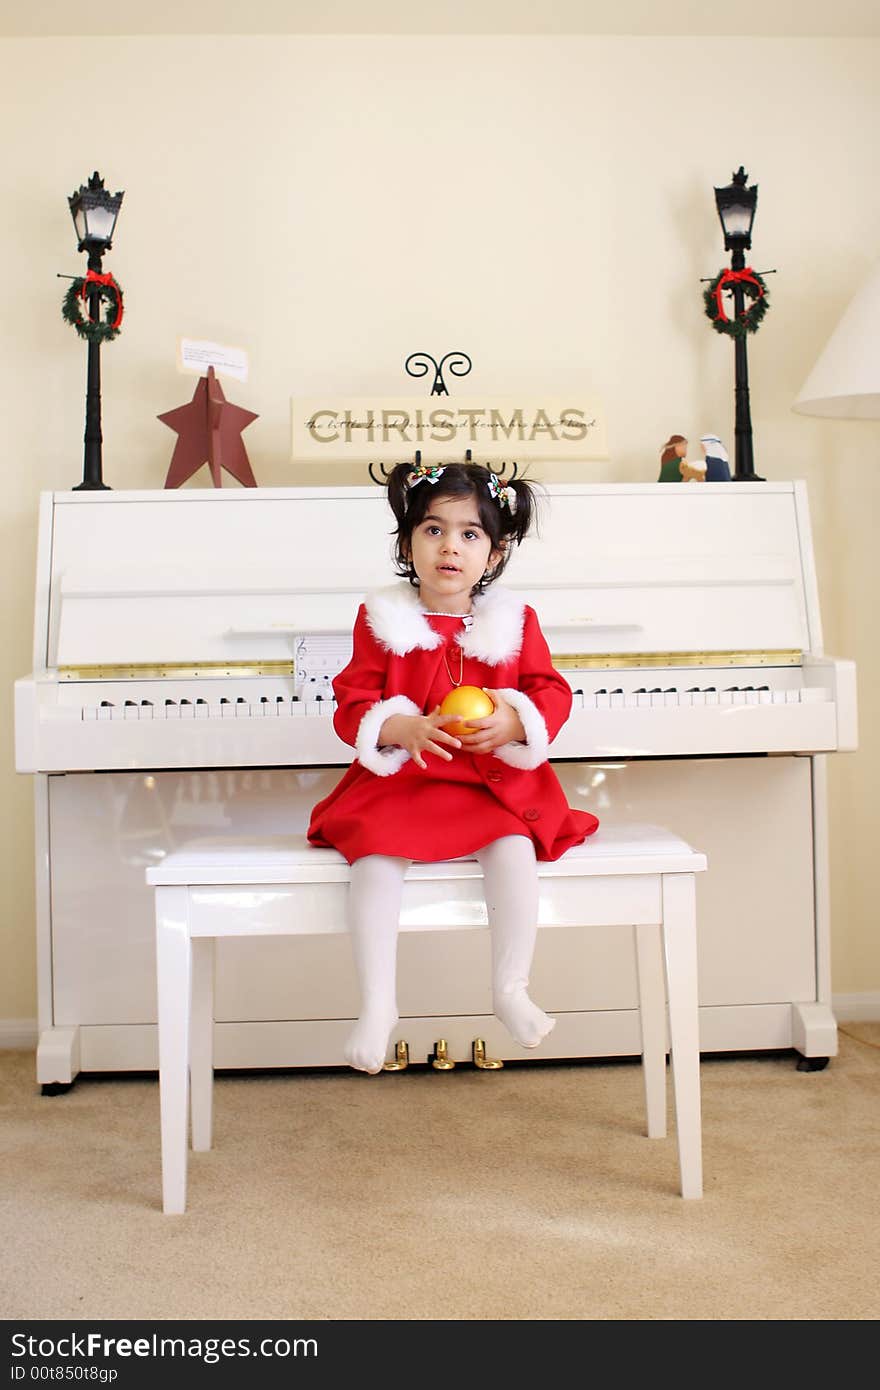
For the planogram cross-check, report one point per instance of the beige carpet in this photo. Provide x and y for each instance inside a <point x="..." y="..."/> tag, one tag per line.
<point x="528" y="1193"/>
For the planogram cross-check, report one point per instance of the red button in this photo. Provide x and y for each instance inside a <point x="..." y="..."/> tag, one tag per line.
<point x="531" y="814"/>
<point x="493" y="776"/>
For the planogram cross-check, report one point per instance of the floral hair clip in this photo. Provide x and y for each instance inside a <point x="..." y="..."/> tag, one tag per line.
<point x="504" y="496"/>
<point x="423" y="472"/>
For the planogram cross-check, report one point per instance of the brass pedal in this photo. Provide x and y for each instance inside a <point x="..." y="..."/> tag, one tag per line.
<point x="401" y="1058"/>
<point x="481" y="1061"/>
<point x="441" y="1061"/>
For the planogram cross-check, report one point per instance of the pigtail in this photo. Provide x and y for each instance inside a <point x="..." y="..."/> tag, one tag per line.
<point x="522" y="513"/>
<point x="398" y="487"/>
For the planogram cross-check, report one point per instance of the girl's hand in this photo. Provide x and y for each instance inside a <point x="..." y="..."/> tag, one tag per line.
<point x="502" y="726"/>
<point x="418" y="734"/>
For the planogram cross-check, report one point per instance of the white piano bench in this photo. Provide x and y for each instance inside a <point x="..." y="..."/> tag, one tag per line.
<point x="638" y="877"/>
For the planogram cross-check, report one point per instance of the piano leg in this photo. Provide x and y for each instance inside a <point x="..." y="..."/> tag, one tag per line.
<point x="58" y="1059"/>
<point x="814" y="1035"/>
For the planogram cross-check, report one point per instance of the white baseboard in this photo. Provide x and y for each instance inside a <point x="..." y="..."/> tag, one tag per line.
<point x="18" y="1033"/>
<point x="856" y="1008"/>
<point x="847" y="1008"/>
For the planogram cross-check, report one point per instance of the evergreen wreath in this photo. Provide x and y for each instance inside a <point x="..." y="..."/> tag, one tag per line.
<point x="755" y="289"/>
<point x="100" y="330"/>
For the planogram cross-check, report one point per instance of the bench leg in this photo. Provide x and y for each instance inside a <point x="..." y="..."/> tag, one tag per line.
<point x="201" y="1042"/>
<point x="652" y="1019"/>
<point x="680" y="947"/>
<point x="174" y="979"/>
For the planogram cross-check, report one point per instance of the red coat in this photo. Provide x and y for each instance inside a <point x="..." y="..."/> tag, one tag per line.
<point x="402" y="657"/>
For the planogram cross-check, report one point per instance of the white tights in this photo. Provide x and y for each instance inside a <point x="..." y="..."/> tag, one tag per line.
<point x="511" y="887"/>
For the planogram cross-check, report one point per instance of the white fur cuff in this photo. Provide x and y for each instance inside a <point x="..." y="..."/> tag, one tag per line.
<point x="535" y="750"/>
<point x="382" y="761"/>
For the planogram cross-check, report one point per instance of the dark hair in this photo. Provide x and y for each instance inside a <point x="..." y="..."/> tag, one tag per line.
<point x="504" y="526"/>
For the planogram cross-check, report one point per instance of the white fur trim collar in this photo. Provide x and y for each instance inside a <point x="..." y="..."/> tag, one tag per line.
<point x="399" y="623"/>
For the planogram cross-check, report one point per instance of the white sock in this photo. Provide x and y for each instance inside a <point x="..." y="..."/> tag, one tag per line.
<point x="373" y="918"/>
<point x="511" y="887"/>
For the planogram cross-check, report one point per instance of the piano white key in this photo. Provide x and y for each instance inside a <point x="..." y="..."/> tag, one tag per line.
<point x="671" y="697"/>
<point x="792" y="697"/>
<point x="242" y="709"/>
<point x="130" y="711"/>
<point x="201" y="708"/>
<point x="597" y="701"/>
<point x="617" y="699"/>
<point x="186" y="711"/>
<point x="751" y="697"/>
<point x="105" y="711"/>
<point x="643" y="700"/>
<point x="765" y="697"/>
<point x="814" y="695"/>
<point x="227" y="711"/>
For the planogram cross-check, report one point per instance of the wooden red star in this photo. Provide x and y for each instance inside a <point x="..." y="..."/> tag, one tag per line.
<point x="209" y="431"/>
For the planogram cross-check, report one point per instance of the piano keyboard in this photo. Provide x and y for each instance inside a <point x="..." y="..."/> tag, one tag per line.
<point x="286" y="707"/>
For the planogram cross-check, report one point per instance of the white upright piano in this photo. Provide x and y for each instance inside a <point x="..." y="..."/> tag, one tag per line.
<point x="184" y="645"/>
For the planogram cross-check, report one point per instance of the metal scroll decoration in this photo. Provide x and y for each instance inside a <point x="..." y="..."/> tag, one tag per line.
<point x="420" y="363"/>
<point x="502" y="472"/>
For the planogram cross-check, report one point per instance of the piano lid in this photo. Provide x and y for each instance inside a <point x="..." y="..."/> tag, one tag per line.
<point x="238" y="575"/>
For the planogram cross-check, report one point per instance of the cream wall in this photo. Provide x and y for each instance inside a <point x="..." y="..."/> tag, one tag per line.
<point x="334" y="203"/>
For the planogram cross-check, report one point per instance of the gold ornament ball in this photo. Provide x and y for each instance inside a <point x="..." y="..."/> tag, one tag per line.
<point x="468" y="702"/>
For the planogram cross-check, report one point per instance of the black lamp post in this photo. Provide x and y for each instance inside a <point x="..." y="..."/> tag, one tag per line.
<point x="736" y="210"/>
<point x="94" y="212"/>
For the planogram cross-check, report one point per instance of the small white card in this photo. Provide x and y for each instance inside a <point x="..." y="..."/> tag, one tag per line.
<point x="195" y="355"/>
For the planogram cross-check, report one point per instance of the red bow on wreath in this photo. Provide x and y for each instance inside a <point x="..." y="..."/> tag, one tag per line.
<point x="732" y="277"/>
<point x="106" y="282"/>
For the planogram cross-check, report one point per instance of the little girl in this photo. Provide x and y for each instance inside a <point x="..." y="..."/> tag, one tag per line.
<point x="415" y="792"/>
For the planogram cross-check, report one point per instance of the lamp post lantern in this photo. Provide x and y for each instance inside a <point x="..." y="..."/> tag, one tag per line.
<point x="736" y="210"/>
<point x="94" y="212"/>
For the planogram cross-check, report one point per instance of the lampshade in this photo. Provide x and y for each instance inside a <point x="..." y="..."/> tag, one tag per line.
<point x="845" y="382"/>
